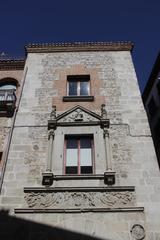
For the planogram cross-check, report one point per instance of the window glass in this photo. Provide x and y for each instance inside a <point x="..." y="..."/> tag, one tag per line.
<point x="84" y="88"/>
<point x="73" y="87"/>
<point x="72" y="152"/>
<point x="86" y="152"/>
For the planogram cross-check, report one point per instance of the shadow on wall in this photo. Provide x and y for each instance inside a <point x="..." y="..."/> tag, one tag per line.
<point x="13" y="228"/>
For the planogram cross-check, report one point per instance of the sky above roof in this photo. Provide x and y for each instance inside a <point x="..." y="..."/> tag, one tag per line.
<point x="23" y="22"/>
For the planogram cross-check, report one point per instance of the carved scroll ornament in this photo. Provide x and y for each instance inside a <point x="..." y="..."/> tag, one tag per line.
<point x="79" y="199"/>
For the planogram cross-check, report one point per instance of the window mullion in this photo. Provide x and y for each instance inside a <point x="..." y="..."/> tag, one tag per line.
<point x="79" y="164"/>
<point x="65" y="156"/>
<point x="78" y="88"/>
<point x="92" y="156"/>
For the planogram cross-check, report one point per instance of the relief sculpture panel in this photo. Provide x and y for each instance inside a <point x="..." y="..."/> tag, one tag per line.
<point x="79" y="199"/>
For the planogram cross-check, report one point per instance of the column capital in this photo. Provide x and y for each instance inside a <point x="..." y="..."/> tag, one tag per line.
<point x="51" y="134"/>
<point x="105" y="132"/>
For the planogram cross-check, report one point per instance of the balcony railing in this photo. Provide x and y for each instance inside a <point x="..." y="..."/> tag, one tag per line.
<point x="7" y="102"/>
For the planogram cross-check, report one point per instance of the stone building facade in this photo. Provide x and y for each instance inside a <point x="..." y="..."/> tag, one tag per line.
<point x="81" y="158"/>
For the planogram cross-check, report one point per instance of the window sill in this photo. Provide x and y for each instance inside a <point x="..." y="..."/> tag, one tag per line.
<point x="78" y="98"/>
<point x="77" y="177"/>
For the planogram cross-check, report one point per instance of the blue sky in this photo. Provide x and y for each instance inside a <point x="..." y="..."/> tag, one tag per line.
<point x="23" y="22"/>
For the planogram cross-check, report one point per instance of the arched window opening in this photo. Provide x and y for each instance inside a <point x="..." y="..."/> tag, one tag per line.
<point x="8" y="88"/>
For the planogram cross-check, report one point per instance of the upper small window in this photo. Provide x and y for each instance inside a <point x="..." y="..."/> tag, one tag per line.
<point x="78" y="85"/>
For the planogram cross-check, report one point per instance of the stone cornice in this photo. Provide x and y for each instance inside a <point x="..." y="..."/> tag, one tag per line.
<point x="78" y="210"/>
<point x="79" y="47"/>
<point x="12" y="64"/>
<point x="79" y="189"/>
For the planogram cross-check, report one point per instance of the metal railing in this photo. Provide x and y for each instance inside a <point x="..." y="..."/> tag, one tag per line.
<point x="7" y="95"/>
<point x="7" y="102"/>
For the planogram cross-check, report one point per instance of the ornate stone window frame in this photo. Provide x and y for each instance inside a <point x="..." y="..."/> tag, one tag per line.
<point x="79" y="116"/>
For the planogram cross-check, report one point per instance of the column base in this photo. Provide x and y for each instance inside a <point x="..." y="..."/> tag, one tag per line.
<point x="109" y="178"/>
<point x="47" y="178"/>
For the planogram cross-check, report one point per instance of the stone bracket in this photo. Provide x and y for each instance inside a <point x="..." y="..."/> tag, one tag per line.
<point x="47" y="178"/>
<point x="109" y="178"/>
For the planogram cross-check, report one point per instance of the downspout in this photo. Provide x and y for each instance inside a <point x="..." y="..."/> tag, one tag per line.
<point x="6" y="152"/>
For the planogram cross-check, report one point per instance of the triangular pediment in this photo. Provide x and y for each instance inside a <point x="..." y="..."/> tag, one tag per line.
<point x="78" y="114"/>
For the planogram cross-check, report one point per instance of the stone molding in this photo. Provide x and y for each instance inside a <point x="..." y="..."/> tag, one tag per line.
<point x="78" y="98"/>
<point x="77" y="177"/>
<point x="79" y="47"/>
<point x="78" y="210"/>
<point x="81" y="189"/>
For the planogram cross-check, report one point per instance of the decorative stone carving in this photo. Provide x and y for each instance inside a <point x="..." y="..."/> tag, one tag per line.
<point x="78" y="115"/>
<point x="106" y="133"/>
<point x="53" y="113"/>
<point x="138" y="232"/>
<point x="51" y="133"/>
<point x="103" y="112"/>
<point x="79" y="199"/>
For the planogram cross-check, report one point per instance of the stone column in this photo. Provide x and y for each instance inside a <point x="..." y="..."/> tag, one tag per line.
<point x="108" y="150"/>
<point x="47" y="177"/>
<point x="109" y="174"/>
<point x="51" y="135"/>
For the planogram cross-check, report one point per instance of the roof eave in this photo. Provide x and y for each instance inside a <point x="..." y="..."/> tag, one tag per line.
<point x="79" y="47"/>
<point x="13" y="64"/>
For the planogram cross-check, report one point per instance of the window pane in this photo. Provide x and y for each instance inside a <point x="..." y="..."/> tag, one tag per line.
<point x="84" y="88"/>
<point x="72" y="152"/>
<point x="86" y="142"/>
<point x="86" y="151"/>
<point x="87" y="169"/>
<point x="73" y="88"/>
<point x="71" y="170"/>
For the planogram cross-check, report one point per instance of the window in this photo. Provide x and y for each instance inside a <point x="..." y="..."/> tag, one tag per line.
<point x="152" y="107"/>
<point x="78" y="85"/>
<point x="7" y="98"/>
<point x="78" y="154"/>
